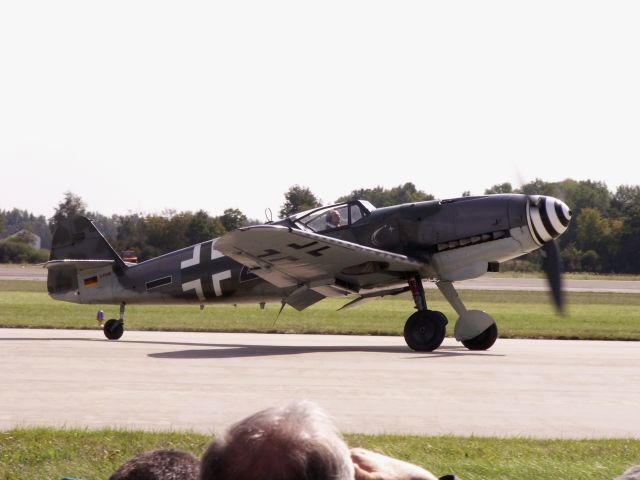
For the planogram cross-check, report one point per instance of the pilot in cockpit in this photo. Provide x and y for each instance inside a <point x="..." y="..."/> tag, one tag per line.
<point x="333" y="219"/>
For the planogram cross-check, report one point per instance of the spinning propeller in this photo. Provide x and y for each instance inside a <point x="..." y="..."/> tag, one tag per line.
<point x="549" y="218"/>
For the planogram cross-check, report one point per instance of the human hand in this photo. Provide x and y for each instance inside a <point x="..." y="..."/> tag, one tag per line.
<point x="374" y="466"/>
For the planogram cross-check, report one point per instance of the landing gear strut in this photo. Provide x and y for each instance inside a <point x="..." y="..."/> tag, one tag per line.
<point x="425" y="329"/>
<point x="113" y="329"/>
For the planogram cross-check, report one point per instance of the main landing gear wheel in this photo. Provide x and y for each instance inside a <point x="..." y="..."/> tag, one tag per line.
<point x="425" y="330"/>
<point x="484" y="341"/>
<point x="113" y="329"/>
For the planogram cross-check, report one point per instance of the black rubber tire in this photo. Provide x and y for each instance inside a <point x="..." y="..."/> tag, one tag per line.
<point x="484" y="341"/>
<point x="113" y="329"/>
<point x="425" y="330"/>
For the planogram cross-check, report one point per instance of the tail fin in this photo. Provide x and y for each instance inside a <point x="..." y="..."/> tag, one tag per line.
<point x="77" y="245"/>
<point x="78" y="238"/>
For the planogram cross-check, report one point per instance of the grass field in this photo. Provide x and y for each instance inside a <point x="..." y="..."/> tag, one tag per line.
<point x="608" y="316"/>
<point x="94" y="455"/>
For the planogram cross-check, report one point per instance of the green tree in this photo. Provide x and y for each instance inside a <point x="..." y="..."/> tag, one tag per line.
<point x="108" y="226"/>
<point x="577" y="195"/>
<point x="499" y="188"/>
<point x="629" y="242"/>
<point x="19" y="250"/>
<point x="584" y="194"/>
<point x="571" y="258"/>
<point x="537" y="187"/>
<point x="175" y="236"/>
<point x="130" y="233"/>
<point x="298" y="199"/>
<point x="382" y="197"/>
<point x="70" y="206"/>
<point x="16" y="220"/>
<point x="625" y="199"/>
<point x="233" y="218"/>
<point x="155" y="235"/>
<point x="625" y="230"/>
<point x="201" y="227"/>
<point x="155" y="238"/>
<point x="590" y="261"/>
<point x="593" y="230"/>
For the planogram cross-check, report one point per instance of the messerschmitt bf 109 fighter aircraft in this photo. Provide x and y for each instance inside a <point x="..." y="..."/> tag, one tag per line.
<point x="350" y="249"/>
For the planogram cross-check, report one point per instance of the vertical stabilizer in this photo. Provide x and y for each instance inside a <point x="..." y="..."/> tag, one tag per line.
<point x="77" y="245"/>
<point x="78" y="238"/>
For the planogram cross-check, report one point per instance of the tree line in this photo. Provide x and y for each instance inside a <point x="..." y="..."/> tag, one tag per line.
<point x="604" y="235"/>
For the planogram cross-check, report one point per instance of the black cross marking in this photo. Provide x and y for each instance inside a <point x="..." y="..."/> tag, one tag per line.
<point x="316" y="252"/>
<point x="246" y="275"/>
<point x="203" y="271"/>
<point x="300" y="247"/>
<point x="268" y="252"/>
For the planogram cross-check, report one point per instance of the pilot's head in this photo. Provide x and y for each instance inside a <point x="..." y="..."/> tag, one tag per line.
<point x="333" y="218"/>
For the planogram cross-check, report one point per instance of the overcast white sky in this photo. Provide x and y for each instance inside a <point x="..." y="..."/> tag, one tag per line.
<point x="142" y="106"/>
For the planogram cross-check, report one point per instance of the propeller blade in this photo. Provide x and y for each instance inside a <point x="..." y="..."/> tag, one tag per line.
<point x="552" y="266"/>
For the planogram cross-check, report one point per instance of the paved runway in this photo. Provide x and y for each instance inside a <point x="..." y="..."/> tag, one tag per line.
<point x="204" y="381"/>
<point x="22" y="272"/>
<point x="491" y="282"/>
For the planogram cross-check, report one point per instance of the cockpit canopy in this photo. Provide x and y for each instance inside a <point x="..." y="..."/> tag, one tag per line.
<point x="333" y="216"/>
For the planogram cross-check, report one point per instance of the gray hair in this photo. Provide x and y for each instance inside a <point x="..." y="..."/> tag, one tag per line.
<point x="632" y="473"/>
<point x="297" y="442"/>
<point x="162" y="464"/>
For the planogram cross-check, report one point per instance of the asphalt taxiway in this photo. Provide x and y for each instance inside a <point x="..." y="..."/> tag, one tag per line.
<point x="369" y="384"/>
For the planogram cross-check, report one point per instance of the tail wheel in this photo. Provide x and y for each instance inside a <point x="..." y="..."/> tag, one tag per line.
<point x="484" y="341"/>
<point x="113" y="329"/>
<point x="425" y="330"/>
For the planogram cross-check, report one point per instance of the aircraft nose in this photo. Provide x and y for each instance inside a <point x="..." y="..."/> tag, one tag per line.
<point x="549" y="217"/>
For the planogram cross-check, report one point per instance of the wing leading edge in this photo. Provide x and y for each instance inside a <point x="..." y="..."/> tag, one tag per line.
<point x="314" y="266"/>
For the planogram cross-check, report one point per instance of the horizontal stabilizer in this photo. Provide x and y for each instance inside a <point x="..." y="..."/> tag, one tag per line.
<point x="79" y="264"/>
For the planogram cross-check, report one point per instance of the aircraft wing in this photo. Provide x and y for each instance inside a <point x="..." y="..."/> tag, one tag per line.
<point x="318" y="265"/>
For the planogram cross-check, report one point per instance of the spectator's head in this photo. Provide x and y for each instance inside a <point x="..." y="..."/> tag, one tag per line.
<point x="297" y="442"/>
<point x="163" y="464"/>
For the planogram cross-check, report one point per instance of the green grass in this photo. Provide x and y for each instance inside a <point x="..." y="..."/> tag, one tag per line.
<point x="23" y="286"/>
<point x="607" y="316"/>
<point x="479" y="458"/>
<point x="53" y="454"/>
<point x="44" y="453"/>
